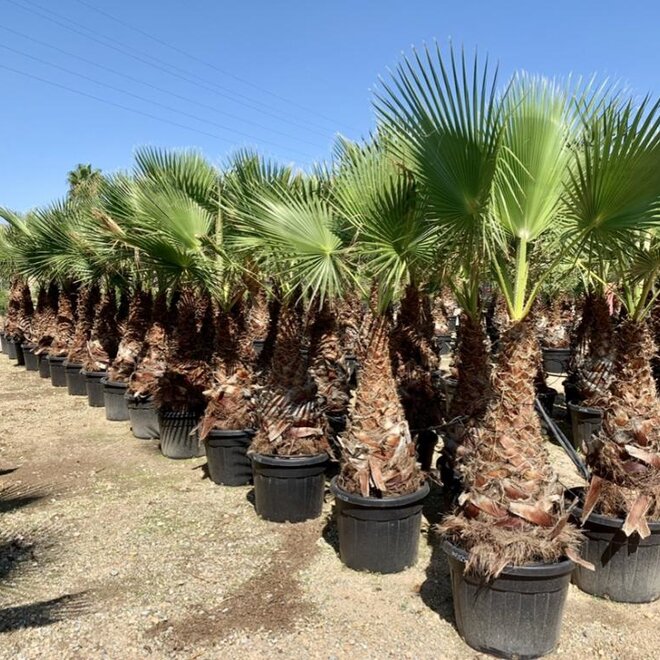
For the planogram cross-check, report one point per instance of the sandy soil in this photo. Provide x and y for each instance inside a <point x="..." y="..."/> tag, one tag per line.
<point x="109" y="550"/>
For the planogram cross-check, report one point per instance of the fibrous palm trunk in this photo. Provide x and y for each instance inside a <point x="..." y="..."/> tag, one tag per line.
<point x="25" y="314"/>
<point x="88" y="300"/>
<point x="625" y="460"/>
<point x="290" y="421"/>
<point x="46" y="329"/>
<point x="554" y="322"/>
<point x="66" y="320"/>
<point x="104" y="335"/>
<point x="510" y="510"/>
<point x="378" y="455"/>
<point x="14" y="309"/>
<point x="130" y="345"/>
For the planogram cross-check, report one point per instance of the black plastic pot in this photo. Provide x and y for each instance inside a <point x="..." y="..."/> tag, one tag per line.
<point x="94" y="387"/>
<point x="11" y="348"/>
<point x="258" y="345"/>
<point x="571" y="392"/>
<point x="380" y="535"/>
<point x="444" y="344"/>
<point x="178" y="437"/>
<point x="57" y="375"/>
<point x="75" y="381"/>
<point x="116" y="409"/>
<point x="585" y="422"/>
<point x="425" y="443"/>
<point x="449" y="386"/>
<point x="516" y="615"/>
<point x="547" y="398"/>
<point x="44" y="366"/>
<point x="226" y="455"/>
<point x="3" y="343"/>
<point x="627" y="567"/>
<point x="555" y="360"/>
<point x="31" y="360"/>
<point x="289" y="488"/>
<point x="20" y="357"/>
<point x="143" y="414"/>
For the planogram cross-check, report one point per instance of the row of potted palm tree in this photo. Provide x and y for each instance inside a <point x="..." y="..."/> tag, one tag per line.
<point x="221" y="308"/>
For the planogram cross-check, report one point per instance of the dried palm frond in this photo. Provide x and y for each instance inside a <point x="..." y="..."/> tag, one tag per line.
<point x="625" y="458"/>
<point x="554" y="322"/>
<point x="442" y="311"/>
<point x="510" y="511"/>
<point x="378" y="455"/>
<point x="134" y="330"/>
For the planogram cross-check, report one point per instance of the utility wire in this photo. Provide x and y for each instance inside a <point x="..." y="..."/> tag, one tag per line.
<point x="195" y="58"/>
<point x="165" y="67"/>
<point x="114" y="104"/>
<point x="152" y="86"/>
<point x="144" y="99"/>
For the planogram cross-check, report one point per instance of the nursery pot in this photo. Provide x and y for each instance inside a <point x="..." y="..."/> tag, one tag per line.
<point x="380" y="535"/>
<point x="516" y="615"/>
<point x="116" y="409"/>
<point x="11" y="348"/>
<point x="31" y="360"/>
<point x="585" y="422"/>
<point x="94" y="386"/>
<point x="57" y="375"/>
<point x="75" y="381"/>
<point x="20" y="357"/>
<point x="178" y="434"/>
<point x="627" y="567"/>
<point x="226" y="456"/>
<point x="449" y="386"/>
<point x="444" y="344"/>
<point x="15" y="351"/>
<point x="425" y="443"/>
<point x="258" y="345"/>
<point x="571" y="392"/>
<point x="143" y="414"/>
<point x="555" y="360"/>
<point x="289" y="488"/>
<point x="3" y="342"/>
<point x="547" y="399"/>
<point x="44" y="365"/>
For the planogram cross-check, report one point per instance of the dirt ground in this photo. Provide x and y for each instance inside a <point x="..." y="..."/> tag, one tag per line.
<point x="109" y="550"/>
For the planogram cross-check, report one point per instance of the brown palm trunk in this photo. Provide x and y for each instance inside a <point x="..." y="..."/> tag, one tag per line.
<point x="104" y="336"/>
<point x="378" y="455"/>
<point x="26" y="314"/>
<point x="625" y="460"/>
<point x="88" y="300"/>
<point x="47" y="326"/>
<point x="510" y="508"/>
<point x="14" y="309"/>
<point x="66" y="320"/>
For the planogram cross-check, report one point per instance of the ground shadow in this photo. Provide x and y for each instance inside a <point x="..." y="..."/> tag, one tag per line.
<point x="330" y="533"/>
<point x="204" y="467"/>
<point x="15" y="551"/>
<point x="435" y="591"/>
<point x="43" y="613"/>
<point x="4" y="471"/>
<point x="249" y="496"/>
<point x="16" y="496"/>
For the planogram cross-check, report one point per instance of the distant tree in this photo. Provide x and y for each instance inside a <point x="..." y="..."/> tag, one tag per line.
<point x="83" y="181"/>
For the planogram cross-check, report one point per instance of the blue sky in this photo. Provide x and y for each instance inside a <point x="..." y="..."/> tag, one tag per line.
<point x="284" y="76"/>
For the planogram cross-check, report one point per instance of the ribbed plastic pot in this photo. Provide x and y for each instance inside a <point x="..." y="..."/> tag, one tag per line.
<point x="425" y="443"/>
<point x="380" y="535"/>
<point x="258" y="345"/>
<point x="627" y="567"/>
<point x="57" y="375"/>
<point x="44" y="366"/>
<point x="555" y="360"/>
<point x="31" y="360"/>
<point x="20" y="357"/>
<point x="11" y="349"/>
<point x="449" y="388"/>
<point x="94" y="387"/>
<point x="585" y="422"/>
<point x="143" y="415"/>
<point x="227" y="459"/>
<point x="3" y="342"/>
<point x="547" y="398"/>
<point x="289" y="488"/>
<point x="178" y="436"/>
<point x="75" y="381"/>
<point x="116" y="409"/>
<point x="444" y="344"/>
<point x="516" y="615"/>
<point x="571" y="392"/>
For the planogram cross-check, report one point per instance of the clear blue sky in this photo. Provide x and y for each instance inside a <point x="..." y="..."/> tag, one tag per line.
<point x="283" y="76"/>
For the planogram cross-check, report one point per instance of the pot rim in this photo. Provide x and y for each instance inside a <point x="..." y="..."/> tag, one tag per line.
<point x="586" y="409"/>
<point x="230" y="433"/>
<point x="73" y="365"/>
<point x="56" y="358"/>
<point x="97" y="374"/>
<point x="535" y="569"/>
<point x="296" y="461"/>
<point x="114" y="383"/>
<point x="390" y="502"/>
<point x="599" y="518"/>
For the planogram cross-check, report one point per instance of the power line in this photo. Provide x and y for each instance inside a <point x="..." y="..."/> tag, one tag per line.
<point x="114" y="104"/>
<point x="144" y="99"/>
<point x="186" y="76"/>
<point x="152" y="86"/>
<point x="195" y="58"/>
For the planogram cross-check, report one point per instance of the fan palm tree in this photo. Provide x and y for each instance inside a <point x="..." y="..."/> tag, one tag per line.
<point x="84" y="182"/>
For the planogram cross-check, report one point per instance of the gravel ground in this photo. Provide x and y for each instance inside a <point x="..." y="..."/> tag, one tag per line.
<point x="109" y="550"/>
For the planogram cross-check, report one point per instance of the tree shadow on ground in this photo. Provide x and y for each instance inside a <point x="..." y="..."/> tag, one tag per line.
<point x="435" y="591"/>
<point x="17" y="496"/>
<point x="43" y="613"/>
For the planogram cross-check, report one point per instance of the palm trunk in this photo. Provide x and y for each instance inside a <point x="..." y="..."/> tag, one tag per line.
<point x="130" y="345"/>
<point x="14" y="309"/>
<point x="510" y="508"/>
<point x="626" y="459"/>
<point x="88" y="300"/>
<point x="25" y="314"/>
<point x="66" y="321"/>
<point x="104" y="336"/>
<point x="47" y="328"/>
<point x="378" y="455"/>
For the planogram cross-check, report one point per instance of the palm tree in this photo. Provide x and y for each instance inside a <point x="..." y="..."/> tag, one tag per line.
<point x="84" y="182"/>
<point x="494" y="167"/>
